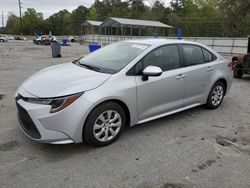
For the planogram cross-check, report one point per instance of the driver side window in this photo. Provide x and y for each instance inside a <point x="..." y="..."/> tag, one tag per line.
<point x="165" y="57"/>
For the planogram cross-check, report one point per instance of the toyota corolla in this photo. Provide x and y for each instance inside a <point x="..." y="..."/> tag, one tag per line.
<point x="123" y="84"/>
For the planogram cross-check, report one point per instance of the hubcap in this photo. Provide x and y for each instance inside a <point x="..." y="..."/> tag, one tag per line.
<point x="107" y="125"/>
<point x="217" y="95"/>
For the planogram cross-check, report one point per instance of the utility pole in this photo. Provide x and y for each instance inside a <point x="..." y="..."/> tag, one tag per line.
<point x="20" y="12"/>
<point x="2" y="21"/>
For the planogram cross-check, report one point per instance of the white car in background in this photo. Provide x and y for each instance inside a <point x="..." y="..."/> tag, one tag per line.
<point x="3" y="38"/>
<point x="10" y="37"/>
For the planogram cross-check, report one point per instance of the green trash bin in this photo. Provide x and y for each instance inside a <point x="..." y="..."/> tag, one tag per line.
<point x="56" y="49"/>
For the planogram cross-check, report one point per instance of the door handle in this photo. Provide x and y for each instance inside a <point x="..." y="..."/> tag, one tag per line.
<point x="180" y="76"/>
<point x="209" y="69"/>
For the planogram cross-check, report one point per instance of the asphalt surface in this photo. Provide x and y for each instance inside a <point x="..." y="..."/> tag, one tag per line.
<point x="176" y="151"/>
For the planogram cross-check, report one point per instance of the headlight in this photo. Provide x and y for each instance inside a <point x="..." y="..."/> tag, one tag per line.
<point x="57" y="104"/>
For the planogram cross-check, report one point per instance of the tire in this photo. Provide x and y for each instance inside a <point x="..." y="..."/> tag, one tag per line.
<point x="237" y="73"/>
<point x="99" y="127"/>
<point x="216" y="95"/>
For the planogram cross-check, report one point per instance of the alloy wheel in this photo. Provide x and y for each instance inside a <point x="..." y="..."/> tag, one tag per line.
<point x="107" y="125"/>
<point x="217" y="95"/>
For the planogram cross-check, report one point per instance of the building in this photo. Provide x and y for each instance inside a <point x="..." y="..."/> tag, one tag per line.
<point x="126" y="27"/>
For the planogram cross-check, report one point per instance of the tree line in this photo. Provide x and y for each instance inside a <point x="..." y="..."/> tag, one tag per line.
<point x="224" y="18"/>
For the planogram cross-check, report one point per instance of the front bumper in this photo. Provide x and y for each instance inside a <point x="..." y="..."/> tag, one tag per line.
<point x="62" y="127"/>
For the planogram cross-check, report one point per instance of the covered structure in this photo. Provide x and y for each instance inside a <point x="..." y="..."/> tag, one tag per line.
<point x="133" y="27"/>
<point x="90" y="27"/>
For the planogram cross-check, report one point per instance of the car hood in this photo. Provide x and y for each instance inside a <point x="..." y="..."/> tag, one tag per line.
<point x="64" y="79"/>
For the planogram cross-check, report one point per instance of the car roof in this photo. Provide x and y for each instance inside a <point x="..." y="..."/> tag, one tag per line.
<point x="160" y="41"/>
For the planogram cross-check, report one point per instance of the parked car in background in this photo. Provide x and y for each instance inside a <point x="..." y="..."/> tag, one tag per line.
<point x="10" y="37"/>
<point x="72" y="39"/>
<point x="44" y="40"/>
<point x="3" y="38"/>
<point x="20" y="38"/>
<point x="241" y="63"/>
<point x="122" y="84"/>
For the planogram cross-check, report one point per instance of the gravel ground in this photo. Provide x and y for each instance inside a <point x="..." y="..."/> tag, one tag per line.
<point x="176" y="151"/>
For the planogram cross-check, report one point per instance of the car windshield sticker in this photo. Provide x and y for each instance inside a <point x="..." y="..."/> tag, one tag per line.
<point x="143" y="47"/>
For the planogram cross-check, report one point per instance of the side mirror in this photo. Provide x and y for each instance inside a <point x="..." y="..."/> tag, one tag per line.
<point x="151" y="71"/>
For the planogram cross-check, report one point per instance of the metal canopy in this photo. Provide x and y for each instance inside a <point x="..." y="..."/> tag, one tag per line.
<point x="118" y="22"/>
<point x="92" y="23"/>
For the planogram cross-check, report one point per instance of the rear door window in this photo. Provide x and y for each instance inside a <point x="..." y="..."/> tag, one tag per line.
<point x="193" y="54"/>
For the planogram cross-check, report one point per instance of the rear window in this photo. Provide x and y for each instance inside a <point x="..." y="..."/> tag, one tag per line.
<point x="208" y="56"/>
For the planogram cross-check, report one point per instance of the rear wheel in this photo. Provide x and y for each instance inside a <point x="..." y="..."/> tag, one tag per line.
<point x="237" y="73"/>
<point x="216" y="95"/>
<point x="104" y="124"/>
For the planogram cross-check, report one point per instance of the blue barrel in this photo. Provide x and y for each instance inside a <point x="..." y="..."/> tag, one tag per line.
<point x="65" y="42"/>
<point x="93" y="47"/>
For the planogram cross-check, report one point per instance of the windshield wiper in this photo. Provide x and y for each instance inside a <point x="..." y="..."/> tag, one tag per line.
<point x="87" y="66"/>
<point x="91" y="67"/>
<point x="76" y="61"/>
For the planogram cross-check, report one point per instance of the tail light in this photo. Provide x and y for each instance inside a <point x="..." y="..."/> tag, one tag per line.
<point x="231" y="65"/>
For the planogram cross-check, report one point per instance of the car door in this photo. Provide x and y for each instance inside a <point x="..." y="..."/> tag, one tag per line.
<point x="199" y="73"/>
<point x="164" y="93"/>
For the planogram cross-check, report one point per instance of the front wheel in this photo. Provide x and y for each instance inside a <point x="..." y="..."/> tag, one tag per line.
<point x="216" y="95"/>
<point x="104" y="124"/>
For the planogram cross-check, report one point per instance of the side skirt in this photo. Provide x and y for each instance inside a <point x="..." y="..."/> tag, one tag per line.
<point x="169" y="113"/>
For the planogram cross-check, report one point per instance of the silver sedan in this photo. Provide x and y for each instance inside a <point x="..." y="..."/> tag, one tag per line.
<point x="123" y="84"/>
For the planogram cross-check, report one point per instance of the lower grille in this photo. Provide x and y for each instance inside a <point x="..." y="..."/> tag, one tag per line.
<point x="26" y="123"/>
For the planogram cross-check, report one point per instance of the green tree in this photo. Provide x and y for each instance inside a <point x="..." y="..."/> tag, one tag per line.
<point x="195" y="17"/>
<point x="13" y="24"/>
<point x="67" y="23"/>
<point x="120" y="9"/>
<point x="32" y="21"/>
<point x="102" y="9"/>
<point x="177" y="5"/>
<point x="158" y="10"/>
<point x="79" y="15"/>
<point x="138" y="9"/>
<point x="56" y="22"/>
<point x="92" y="14"/>
<point x="235" y="12"/>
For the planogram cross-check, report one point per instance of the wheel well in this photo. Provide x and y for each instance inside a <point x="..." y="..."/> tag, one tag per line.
<point x="222" y="80"/>
<point x="123" y="105"/>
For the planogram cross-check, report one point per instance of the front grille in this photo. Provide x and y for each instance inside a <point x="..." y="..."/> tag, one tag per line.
<point x="26" y="123"/>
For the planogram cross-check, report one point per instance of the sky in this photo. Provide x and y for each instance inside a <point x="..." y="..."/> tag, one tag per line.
<point x="47" y="7"/>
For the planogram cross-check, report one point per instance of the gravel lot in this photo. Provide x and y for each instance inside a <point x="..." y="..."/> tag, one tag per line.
<point x="176" y="151"/>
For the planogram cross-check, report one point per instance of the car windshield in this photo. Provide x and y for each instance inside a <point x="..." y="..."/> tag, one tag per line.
<point x="114" y="57"/>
